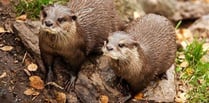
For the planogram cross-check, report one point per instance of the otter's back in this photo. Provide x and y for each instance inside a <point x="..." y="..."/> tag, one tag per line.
<point x="97" y="18"/>
<point x="156" y="36"/>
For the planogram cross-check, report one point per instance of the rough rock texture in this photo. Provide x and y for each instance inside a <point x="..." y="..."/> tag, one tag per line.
<point x="191" y="10"/>
<point x="173" y="9"/>
<point x="94" y="80"/>
<point x="165" y="90"/>
<point x="201" y="27"/>
<point x="27" y="33"/>
<point x="129" y="9"/>
<point x="167" y="8"/>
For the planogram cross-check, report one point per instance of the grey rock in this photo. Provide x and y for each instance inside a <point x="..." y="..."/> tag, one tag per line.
<point x="201" y="27"/>
<point x="27" y="32"/>
<point x="175" y="9"/>
<point x="165" y="91"/>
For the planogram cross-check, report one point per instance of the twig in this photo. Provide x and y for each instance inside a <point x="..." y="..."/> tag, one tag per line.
<point x="24" y="56"/>
<point x="55" y="84"/>
<point x="27" y="72"/>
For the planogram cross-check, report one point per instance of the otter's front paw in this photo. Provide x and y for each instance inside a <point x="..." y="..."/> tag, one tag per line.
<point x="70" y="84"/>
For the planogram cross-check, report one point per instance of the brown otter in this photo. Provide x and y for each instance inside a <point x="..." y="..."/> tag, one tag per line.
<point x="146" y="49"/>
<point x="75" y="32"/>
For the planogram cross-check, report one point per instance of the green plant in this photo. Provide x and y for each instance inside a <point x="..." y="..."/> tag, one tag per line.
<point x="194" y="52"/>
<point x="32" y="7"/>
<point x="196" y="74"/>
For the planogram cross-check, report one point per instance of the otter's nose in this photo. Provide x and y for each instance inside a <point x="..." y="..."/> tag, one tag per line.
<point x="48" y="23"/>
<point x="109" y="48"/>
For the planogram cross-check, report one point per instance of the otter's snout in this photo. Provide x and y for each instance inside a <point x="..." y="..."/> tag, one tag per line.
<point x="109" y="48"/>
<point x="48" y="23"/>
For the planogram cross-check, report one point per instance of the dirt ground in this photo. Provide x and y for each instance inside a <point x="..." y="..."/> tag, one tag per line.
<point x="14" y="81"/>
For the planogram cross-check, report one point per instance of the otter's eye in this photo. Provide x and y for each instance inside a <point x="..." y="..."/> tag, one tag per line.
<point x="74" y="17"/>
<point x="121" y="45"/>
<point x="61" y="20"/>
<point x="107" y="41"/>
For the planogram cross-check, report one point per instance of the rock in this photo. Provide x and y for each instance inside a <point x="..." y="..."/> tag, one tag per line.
<point x="129" y="9"/>
<point x="190" y="10"/>
<point x="176" y="9"/>
<point x="27" y="34"/>
<point x="95" y="81"/>
<point x="165" y="90"/>
<point x="161" y="7"/>
<point x="201" y="27"/>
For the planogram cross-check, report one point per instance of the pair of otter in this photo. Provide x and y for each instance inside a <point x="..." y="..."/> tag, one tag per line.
<point x="146" y="48"/>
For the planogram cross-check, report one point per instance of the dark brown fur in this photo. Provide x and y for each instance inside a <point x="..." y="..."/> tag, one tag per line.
<point x="147" y="49"/>
<point x="74" y="32"/>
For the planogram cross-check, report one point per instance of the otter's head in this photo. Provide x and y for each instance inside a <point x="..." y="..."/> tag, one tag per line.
<point x="58" y="20"/>
<point x="120" y="46"/>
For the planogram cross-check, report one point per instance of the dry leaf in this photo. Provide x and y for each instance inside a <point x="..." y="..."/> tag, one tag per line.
<point x="3" y="75"/>
<point x="31" y="91"/>
<point x="21" y="17"/>
<point x="32" y="67"/>
<point x="139" y="96"/>
<point x="184" y="37"/>
<point x="205" y="58"/>
<point x="6" y="48"/>
<point x="2" y="30"/>
<point x="104" y="99"/>
<point x="61" y="97"/>
<point x="184" y="64"/>
<point x="206" y="47"/>
<point x="36" y="82"/>
<point x="181" y="98"/>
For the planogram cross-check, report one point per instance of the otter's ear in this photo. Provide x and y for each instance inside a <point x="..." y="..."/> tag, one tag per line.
<point x="74" y="17"/>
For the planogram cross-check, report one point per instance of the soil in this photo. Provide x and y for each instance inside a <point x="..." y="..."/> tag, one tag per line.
<point x="15" y="82"/>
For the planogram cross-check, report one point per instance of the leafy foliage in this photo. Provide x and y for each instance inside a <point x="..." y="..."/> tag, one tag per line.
<point x="194" y="52"/>
<point x="196" y="74"/>
<point x="32" y="7"/>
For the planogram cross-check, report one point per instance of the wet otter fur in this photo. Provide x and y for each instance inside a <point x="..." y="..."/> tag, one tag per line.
<point x="74" y="32"/>
<point x="143" y="51"/>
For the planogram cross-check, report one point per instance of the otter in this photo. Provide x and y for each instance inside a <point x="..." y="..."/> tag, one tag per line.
<point x="75" y="32"/>
<point x="143" y="51"/>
